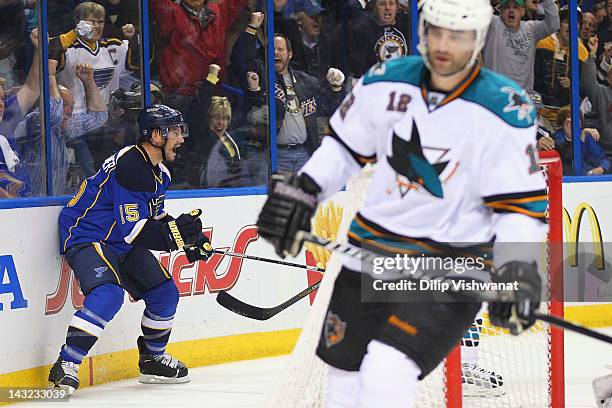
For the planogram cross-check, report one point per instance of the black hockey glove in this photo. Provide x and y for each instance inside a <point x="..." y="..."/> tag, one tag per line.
<point x="185" y="230"/>
<point x="200" y="251"/>
<point x="292" y="201"/>
<point x="518" y="315"/>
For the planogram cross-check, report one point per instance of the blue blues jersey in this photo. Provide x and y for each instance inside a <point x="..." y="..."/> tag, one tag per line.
<point x="112" y="206"/>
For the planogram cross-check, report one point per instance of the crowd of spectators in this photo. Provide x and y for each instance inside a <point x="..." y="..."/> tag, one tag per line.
<point x="209" y="61"/>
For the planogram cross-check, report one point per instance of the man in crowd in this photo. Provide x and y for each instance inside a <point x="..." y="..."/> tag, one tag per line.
<point x="511" y="42"/>
<point x="195" y="35"/>
<point x="377" y="37"/>
<point x="313" y="52"/>
<point x="600" y="96"/>
<point x="110" y="59"/>
<point x="13" y="178"/>
<point x="588" y="27"/>
<point x="64" y="124"/>
<point x="296" y="109"/>
<point x="552" y="65"/>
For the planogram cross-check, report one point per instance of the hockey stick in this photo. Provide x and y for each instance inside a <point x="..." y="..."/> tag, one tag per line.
<point x="268" y="260"/>
<point x="572" y="326"/>
<point x="260" y="313"/>
<point x="244" y="309"/>
<point x="483" y="296"/>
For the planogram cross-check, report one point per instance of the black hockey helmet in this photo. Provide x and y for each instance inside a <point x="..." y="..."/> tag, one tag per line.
<point x="160" y="117"/>
<point x="122" y="99"/>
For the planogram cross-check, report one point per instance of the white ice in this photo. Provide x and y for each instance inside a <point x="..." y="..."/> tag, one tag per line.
<point x="245" y="384"/>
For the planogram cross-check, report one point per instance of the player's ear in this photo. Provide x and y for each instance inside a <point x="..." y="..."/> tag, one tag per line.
<point x="156" y="136"/>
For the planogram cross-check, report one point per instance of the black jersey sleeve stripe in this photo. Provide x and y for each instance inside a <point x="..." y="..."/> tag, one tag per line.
<point x="514" y="196"/>
<point x="361" y="160"/>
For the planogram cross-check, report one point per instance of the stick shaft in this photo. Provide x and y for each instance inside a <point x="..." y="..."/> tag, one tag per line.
<point x="268" y="260"/>
<point x="557" y="321"/>
<point x="484" y="296"/>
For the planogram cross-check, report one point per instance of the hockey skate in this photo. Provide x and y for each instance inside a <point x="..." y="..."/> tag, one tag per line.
<point x="478" y="382"/>
<point x="602" y="389"/>
<point x="65" y="375"/>
<point x="160" y="369"/>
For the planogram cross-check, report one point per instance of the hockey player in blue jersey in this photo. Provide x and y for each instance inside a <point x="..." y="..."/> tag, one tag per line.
<point x="456" y="172"/>
<point x="106" y="233"/>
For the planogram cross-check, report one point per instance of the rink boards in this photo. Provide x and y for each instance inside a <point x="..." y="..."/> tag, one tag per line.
<point x="38" y="294"/>
<point x="38" y="297"/>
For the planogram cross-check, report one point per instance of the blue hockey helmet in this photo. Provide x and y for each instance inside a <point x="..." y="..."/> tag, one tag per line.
<point x="160" y="117"/>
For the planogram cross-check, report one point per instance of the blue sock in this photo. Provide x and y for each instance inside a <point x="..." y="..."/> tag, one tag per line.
<point x="100" y="306"/>
<point x="158" y="316"/>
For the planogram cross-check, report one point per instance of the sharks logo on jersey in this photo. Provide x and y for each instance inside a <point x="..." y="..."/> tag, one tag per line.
<point x="333" y="329"/>
<point x="412" y="169"/>
<point x="518" y="101"/>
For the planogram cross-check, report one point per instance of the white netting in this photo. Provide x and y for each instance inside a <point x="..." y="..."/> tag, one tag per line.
<point x="498" y="370"/>
<point x="304" y="381"/>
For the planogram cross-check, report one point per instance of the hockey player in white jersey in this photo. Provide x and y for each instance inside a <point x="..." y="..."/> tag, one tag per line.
<point x="456" y="166"/>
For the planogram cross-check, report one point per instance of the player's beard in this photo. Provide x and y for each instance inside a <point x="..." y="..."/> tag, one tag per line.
<point x="449" y="67"/>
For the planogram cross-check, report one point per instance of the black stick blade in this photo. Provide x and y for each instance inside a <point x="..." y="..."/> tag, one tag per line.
<point x="239" y="307"/>
<point x="260" y="313"/>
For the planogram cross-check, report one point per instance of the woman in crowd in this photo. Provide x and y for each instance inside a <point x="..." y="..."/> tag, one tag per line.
<point x="224" y="166"/>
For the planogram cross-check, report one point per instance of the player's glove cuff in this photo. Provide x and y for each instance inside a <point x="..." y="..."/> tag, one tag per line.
<point x="185" y="230"/>
<point x="517" y="316"/>
<point x="292" y="201"/>
<point x="200" y="251"/>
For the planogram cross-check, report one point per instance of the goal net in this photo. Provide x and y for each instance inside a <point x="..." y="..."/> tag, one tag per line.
<point x="490" y="368"/>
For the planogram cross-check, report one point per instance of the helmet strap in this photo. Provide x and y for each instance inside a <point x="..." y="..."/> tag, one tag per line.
<point x="162" y="148"/>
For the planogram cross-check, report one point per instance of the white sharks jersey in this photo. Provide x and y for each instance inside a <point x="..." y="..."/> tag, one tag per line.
<point x="446" y="165"/>
<point x="110" y="60"/>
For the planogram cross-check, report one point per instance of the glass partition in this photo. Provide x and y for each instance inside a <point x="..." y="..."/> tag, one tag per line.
<point x="22" y="164"/>
<point x="97" y="49"/>
<point x="210" y="64"/>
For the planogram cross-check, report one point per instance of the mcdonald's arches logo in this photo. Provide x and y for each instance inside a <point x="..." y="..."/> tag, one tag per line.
<point x="571" y="229"/>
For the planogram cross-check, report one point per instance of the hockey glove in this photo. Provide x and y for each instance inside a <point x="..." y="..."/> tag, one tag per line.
<point x="292" y="201"/>
<point x="518" y="315"/>
<point x="185" y="230"/>
<point x="200" y="251"/>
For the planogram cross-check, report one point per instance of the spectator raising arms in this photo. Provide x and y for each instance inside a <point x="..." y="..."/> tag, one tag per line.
<point x="511" y="42"/>
<point x="195" y="33"/>
<point x="64" y="124"/>
<point x="296" y="109"/>
<point x="248" y="53"/>
<point x="313" y="49"/>
<point x="13" y="178"/>
<point x="110" y="58"/>
<point x="599" y="95"/>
